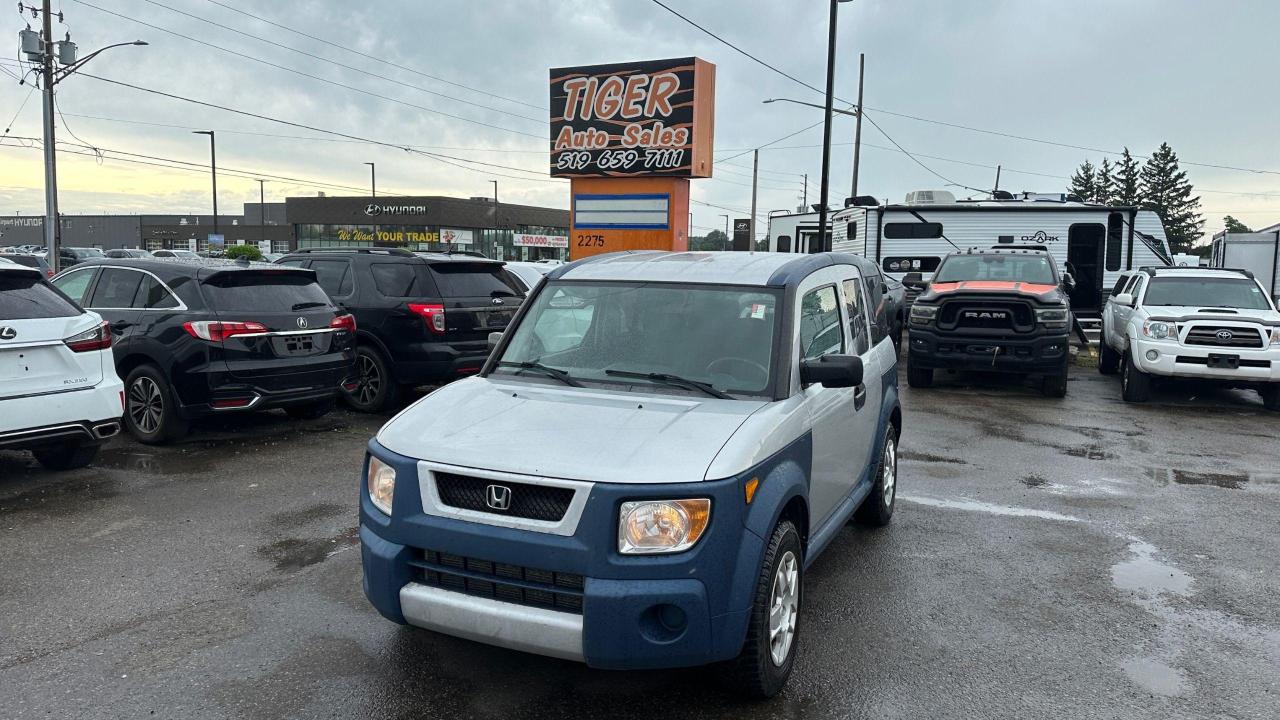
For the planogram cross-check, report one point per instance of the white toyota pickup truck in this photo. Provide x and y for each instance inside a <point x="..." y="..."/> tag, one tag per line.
<point x="1215" y="324"/>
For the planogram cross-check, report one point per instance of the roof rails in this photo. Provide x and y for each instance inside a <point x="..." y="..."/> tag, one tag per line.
<point x="468" y="253"/>
<point x="1153" y="271"/>
<point x="362" y="250"/>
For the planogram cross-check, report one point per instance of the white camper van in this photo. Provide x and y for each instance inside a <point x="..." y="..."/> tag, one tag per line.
<point x="1095" y="243"/>
<point x="1258" y="252"/>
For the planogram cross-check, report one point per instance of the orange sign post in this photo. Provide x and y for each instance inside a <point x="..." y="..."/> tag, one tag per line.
<point x="630" y="136"/>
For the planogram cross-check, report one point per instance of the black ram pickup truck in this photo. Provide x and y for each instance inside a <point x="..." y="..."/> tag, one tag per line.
<point x="1003" y="308"/>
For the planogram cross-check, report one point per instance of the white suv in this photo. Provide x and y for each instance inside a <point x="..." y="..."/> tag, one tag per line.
<point x="1192" y="322"/>
<point x="59" y="392"/>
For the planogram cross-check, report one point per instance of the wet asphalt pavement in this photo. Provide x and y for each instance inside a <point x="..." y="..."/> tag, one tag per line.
<point x="1076" y="558"/>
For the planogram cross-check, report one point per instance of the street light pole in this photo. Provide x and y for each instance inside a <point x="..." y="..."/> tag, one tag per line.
<point x="501" y="253"/>
<point x="826" y="131"/>
<point x="262" y="211"/>
<point x="52" y="228"/>
<point x="213" y="172"/>
<point x="726" y="230"/>
<point x="755" y="171"/>
<point x="857" y="133"/>
<point x="373" y="180"/>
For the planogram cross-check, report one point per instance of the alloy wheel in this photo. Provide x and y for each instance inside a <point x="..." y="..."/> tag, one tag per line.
<point x="784" y="607"/>
<point x="889" y="475"/>
<point x="146" y="404"/>
<point x="370" y="382"/>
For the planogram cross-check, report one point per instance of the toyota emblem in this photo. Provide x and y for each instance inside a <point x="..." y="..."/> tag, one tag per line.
<point x="498" y="497"/>
<point x="302" y="323"/>
<point x="8" y="333"/>
<point x="1224" y="336"/>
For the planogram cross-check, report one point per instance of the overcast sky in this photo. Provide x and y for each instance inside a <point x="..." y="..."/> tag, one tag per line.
<point x="1105" y="74"/>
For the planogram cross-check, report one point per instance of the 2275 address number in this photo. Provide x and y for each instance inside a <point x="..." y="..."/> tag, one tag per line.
<point x="590" y="241"/>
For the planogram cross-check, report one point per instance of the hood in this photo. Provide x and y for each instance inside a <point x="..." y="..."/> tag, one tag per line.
<point x="1040" y="292"/>
<point x="1193" y="313"/>
<point x="587" y="434"/>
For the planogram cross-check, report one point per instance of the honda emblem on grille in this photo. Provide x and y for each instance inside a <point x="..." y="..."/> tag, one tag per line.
<point x="1224" y="336"/>
<point x="302" y="322"/>
<point x="498" y="497"/>
<point x="8" y="333"/>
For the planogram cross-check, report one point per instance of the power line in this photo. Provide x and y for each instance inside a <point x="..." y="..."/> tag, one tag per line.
<point x="335" y="83"/>
<point x="914" y="159"/>
<point x="336" y="63"/>
<point x="345" y="47"/>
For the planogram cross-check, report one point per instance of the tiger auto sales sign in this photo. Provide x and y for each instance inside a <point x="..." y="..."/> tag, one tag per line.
<point x="649" y="118"/>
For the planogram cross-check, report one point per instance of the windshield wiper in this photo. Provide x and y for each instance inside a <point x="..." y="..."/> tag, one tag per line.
<point x="672" y="380"/>
<point x="556" y="373"/>
<point x="305" y="305"/>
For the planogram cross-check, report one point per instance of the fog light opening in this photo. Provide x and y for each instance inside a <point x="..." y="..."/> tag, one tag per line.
<point x="663" y="623"/>
<point x="1153" y="355"/>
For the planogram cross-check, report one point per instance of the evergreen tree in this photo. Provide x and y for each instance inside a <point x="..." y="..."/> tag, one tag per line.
<point x="1083" y="183"/>
<point x="1105" y="184"/>
<point x="1166" y="190"/>
<point x="1127" y="187"/>
<point x="1235" y="226"/>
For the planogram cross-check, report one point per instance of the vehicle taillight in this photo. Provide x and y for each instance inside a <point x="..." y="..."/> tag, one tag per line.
<point x="432" y="314"/>
<point x="98" y="338"/>
<point x="215" y="331"/>
<point x="344" y="322"/>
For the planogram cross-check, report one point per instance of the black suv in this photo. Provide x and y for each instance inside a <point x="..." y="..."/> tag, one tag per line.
<point x="1003" y="308"/>
<point x="422" y="317"/>
<point x="193" y="339"/>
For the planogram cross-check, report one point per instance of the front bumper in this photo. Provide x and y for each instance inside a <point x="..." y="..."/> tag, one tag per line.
<point x="1192" y="361"/>
<point x="652" y="611"/>
<point x="1036" y="352"/>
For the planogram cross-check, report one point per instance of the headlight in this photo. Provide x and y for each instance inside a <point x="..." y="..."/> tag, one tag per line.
<point x="382" y="484"/>
<point x="1051" y="315"/>
<point x="923" y="313"/>
<point x="1160" y="330"/>
<point x="1275" y="336"/>
<point x="661" y="526"/>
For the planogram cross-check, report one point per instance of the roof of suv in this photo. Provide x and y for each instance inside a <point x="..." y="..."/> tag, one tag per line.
<point x="1197" y="272"/>
<point x="728" y="268"/>
<point x="184" y="266"/>
<point x="430" y="257"/>
<point x="10" y="266"/>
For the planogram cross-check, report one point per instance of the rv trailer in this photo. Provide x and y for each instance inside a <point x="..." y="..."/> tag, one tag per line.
<point x="1257" y="252"/>
<point x="1096" y="243"/>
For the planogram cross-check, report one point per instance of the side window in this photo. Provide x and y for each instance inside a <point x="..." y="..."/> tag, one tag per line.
<point x="334" y="276"/>
<point x="1115" y="240"/>
<point x="396" y="280"/>
<point x="820" y="329"/>
<point x="292" y="262"/>
<point x="1138" y="284"/>
<point x="856" y="308"/>
<point x="73" y="284"/>
<point x="1133" y="282"/>
<point x="152" y="295"/>
<point x="115" y="289"/>
<point x="784" y="243"/>
<point x="1119" y="288"/>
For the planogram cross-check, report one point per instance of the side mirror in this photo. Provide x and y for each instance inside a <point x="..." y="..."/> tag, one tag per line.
<point x="494" y="339"/>
<point x="914" y="281"/>
<point x="833" y="371"/>
<point x="1124" y="299"/>
<point x="1068" y="282"/>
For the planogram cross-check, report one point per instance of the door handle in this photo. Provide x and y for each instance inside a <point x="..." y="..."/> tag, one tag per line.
<point x="859" y="397"/>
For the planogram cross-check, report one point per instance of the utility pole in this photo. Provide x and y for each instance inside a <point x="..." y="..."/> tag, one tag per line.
<point x="373" y="179"/>
<point x="52" y="228"/>
<point x="857" y="133"/>
<point x="213" y="171"/>
<point x="804" y="200"/>
<point x="826" y="132"/>
<point x="755" y="171"/>
<point x="496" y="246"/>
<point x="262" y="209"/>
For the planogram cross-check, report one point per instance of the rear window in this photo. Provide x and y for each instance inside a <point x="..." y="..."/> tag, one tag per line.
<point x="397" y="280"/>
<point x="462" y="279"/>
<point x="28" y="260"/>
<point x="26" y="296"/>
<point x="264" y="291"/>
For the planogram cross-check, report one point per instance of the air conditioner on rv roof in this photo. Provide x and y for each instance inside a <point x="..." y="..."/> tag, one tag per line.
<point x="930" y="197"/>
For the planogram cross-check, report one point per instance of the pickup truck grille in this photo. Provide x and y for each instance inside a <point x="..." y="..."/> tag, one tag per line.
<point x="979" y="314"/>
<point x="531" y="502"/>
<point x="1218" y="336"/>
<point x="500" y="581"/>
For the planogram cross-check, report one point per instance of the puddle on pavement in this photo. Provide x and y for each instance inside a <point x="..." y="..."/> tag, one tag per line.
<point x="1144" y="574"/>
<point x="297" y="553"/>
<point x="160" y="462"/>
<point x="1155" y="676"/>
<point x="297" y="518"/>
<point x="1034" y="481"/>
<point x="61" y="498"/>
<point x="1231" y="481"/>
<point x="1089" y="452"/>
<point x="926" y="457"/>
<point x="976" y="506"/>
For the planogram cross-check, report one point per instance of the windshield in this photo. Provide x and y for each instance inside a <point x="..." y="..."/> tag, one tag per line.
<point x="1206" y="292"/>
<point x="999" y="267"/>
<point x="720" y="336"/>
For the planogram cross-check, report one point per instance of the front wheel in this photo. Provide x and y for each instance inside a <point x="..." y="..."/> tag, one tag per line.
<point x="67" y="456"/>
<point x="877" y="509"/>
<point x="762" y="669"/>
<point x="1135" y="385"/>
<point x="1108" y="359"/>
<point x="1055" y="384"/>
<point x="918" y="377"/>
<point x="1271" y="396"/>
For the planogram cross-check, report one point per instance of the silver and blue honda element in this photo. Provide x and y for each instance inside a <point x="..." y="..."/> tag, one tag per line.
<point x="656" y="449"/>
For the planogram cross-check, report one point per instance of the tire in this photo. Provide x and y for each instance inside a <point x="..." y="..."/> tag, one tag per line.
<point x="755" y="673"/>
<point x="877" y="509"/>
<point x="67" y="456"/>
<point x="1055" y="385"/>
<point x="1135" y="385"/>
<point x="918" y="377"/>
<point x="151" y="411"/>
<point x="311" y="410"/>
<point x="376" y="389"/>
<point x="1108" y="359"/>
<point x="1271" y="396"/>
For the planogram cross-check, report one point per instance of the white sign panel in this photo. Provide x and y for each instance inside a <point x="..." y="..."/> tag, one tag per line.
<point x="191" y="244"/>
<point x="556" y="241"/>
<point x="450" y="236"/>
<point x="264" y="246"/>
